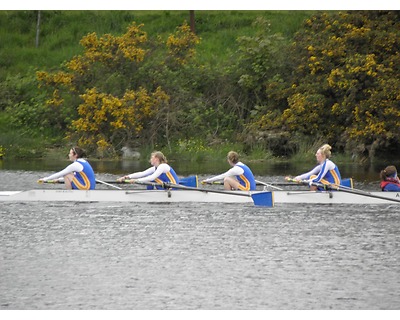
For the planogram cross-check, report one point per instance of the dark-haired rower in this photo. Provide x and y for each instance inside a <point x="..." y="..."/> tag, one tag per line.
<point x="78" y="175"/>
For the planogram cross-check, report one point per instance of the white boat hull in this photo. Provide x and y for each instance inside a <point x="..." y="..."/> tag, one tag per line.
<point x="164" y="196"/>
<point x="149" y="196"/>
<point x="336" y="197"/>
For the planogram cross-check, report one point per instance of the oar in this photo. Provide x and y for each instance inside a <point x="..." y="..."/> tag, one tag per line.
<point x="258" y="183"/>
<point x="51" y="181"/>
<point x="268" y="185"/>
<point x="344" y="189"/>
<point x="108" y="184"/>
<point x="190" y="181"/>
<point x="261" y="198"/>
<point x="62" y="181"/>
<point x="346" y="182"/>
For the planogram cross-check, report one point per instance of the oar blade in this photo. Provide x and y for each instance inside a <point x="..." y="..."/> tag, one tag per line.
<point x="191" y="181"/>
<point x="263" y="199"/>
<point x="347" y="182"/>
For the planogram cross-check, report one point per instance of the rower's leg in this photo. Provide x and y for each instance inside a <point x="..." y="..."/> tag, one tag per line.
<point x="231" y="183"/>
<point x="68" y="181"/>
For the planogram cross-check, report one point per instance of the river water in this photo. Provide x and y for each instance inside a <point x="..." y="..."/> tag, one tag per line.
<point x="63" y="256"/>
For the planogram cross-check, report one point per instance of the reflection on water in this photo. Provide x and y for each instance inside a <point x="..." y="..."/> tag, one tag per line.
<point x="362" y="173"/>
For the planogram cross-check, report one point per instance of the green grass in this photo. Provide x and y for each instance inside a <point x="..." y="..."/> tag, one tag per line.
<point x="61" y="31"/>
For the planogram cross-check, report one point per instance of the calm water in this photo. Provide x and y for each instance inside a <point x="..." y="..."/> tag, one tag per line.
<point x="186" y="256"/>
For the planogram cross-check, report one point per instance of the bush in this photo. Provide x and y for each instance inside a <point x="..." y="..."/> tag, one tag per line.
<point x="345" y="84"/>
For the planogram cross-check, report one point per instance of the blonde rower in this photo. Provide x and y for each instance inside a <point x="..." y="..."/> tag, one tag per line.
<point x="160" y="172"/>
<point x="326" y="172"/>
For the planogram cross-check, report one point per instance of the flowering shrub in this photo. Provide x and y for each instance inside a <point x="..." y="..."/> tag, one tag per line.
<point x="344" y="87"/>
<point x="112" y="94"/>
<point x="2" y="152"/>
<point x="103" y="117"/>
<point x="181" y="46"/>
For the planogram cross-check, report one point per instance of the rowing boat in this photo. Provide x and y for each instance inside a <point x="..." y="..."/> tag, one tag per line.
<point x="335" y="197"/>
<point x="269" y="198"/>
<point x="262" y="198"/>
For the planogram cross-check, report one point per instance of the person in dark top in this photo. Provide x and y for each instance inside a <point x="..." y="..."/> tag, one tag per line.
<point x="389" y="179"/>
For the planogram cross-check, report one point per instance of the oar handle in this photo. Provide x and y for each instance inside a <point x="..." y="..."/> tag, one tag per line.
<point x="50" y="181"/>
<point x="290" y="179"/>
<point x="164" y="185"/>
<point x="310" y="183"/>
<point x="213" y="182"/>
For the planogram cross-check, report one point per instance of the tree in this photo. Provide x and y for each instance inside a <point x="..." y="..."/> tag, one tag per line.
<point x="192" y="21"/>
<point x="37" y="29"/>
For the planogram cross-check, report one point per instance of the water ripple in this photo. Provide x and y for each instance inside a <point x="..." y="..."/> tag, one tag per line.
<point x="148" y="256"/>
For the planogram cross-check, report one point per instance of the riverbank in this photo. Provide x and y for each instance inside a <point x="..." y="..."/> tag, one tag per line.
<point x="25" y="151"/>
<point x="35" y="148"/>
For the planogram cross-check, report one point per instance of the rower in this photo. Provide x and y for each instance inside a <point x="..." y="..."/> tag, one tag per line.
<point x="78" y="175"/>
<point x="239" y="177"/>
<point x="326" y="172"/>
<point x="160" y="172"/>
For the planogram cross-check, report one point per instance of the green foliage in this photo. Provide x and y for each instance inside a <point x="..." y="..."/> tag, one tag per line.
<point x="17" y="89"/>
<point x="203" y="97"/>
<point x="260" y="59"/>
<point x="110" y="98"/>
<point x="195" y="149"/>
<point x="61" y="31"/>
<point x="24" y="142"/>
<point x="247" y="81"/>
<point x="2" y="152"/>
<point x="345" y="85"/>
<point x="26" y="109"/>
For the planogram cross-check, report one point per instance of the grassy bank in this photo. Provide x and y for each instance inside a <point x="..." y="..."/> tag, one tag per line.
<point x="60" y="33"/>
